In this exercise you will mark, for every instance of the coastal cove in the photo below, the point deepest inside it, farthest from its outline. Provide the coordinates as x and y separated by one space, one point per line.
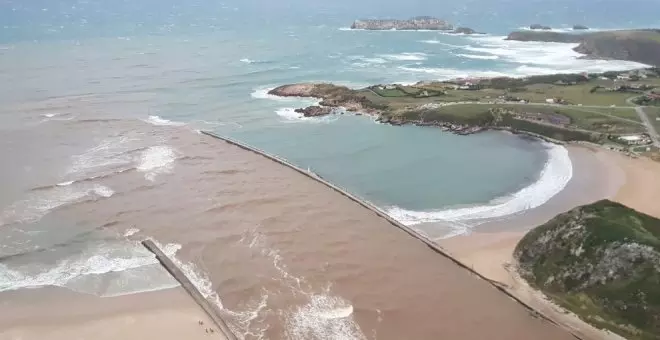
405 159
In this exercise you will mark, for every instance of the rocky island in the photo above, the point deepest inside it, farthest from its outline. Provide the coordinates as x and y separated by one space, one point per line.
539 27
641 46
465 30
416 23
601 261
580 27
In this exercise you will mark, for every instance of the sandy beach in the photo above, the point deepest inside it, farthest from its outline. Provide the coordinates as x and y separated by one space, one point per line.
55 313
598 174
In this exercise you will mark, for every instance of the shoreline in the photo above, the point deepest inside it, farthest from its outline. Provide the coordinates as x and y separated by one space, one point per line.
489 249
167 314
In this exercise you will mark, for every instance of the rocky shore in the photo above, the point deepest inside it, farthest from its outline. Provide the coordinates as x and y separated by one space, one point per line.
416 23
334 97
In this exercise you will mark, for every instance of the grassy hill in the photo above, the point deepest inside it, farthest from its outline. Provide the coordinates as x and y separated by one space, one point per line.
602 262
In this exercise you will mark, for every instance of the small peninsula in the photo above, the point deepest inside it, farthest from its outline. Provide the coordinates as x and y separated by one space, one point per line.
641 46
598 108
416 23
601 261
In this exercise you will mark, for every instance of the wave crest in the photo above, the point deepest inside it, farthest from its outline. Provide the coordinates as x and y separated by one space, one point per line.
554 177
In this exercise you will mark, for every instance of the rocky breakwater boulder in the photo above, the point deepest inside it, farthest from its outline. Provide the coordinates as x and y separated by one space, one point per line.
416 23
601 261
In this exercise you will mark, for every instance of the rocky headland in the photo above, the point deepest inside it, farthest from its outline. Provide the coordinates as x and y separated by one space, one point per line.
601 261
641 46
416 23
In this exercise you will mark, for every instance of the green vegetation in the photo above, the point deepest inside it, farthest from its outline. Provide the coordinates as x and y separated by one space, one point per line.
602 262
654 116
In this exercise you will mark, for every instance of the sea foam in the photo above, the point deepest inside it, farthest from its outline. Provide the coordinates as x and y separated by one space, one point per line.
159 121
82 271
554 177
406 56
156 160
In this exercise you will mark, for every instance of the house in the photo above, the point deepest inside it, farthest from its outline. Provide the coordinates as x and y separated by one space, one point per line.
550 100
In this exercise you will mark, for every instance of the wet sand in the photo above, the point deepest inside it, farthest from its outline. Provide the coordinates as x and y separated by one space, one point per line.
291 259
55 313
599 174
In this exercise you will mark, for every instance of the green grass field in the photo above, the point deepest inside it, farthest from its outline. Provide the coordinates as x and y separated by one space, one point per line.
611 120
576 94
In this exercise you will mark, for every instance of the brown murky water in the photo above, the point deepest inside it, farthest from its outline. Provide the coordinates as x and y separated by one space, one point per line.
288 258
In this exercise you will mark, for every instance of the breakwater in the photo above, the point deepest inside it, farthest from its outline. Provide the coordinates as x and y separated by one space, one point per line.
196 295
410 231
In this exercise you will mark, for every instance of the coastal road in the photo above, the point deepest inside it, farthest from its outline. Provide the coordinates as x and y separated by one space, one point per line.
649 126
647 122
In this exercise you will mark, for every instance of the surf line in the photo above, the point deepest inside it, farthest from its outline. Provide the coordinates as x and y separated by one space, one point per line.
410 231
185 282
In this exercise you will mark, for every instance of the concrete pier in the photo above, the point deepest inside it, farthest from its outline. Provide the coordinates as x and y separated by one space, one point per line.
210 309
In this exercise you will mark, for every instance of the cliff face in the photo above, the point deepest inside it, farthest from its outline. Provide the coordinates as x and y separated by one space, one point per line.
642 46
417 23
602 261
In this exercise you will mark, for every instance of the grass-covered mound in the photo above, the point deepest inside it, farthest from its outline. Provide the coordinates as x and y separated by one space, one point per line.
602 262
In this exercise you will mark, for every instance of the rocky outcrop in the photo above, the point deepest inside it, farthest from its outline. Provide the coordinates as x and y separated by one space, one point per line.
417 23
465 30
315 111
539 27
332 96
580 28
602 261
642 46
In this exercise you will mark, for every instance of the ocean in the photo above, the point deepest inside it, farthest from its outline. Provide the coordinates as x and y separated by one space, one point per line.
102 101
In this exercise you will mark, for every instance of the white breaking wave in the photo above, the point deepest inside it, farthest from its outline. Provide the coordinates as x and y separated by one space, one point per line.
290 115
551 57
103 191
131 231
83 272
159 121
262 93
478 56
323 315
156 160
362 61
433 41
554 177
448 73
408 56
247 61
38 204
